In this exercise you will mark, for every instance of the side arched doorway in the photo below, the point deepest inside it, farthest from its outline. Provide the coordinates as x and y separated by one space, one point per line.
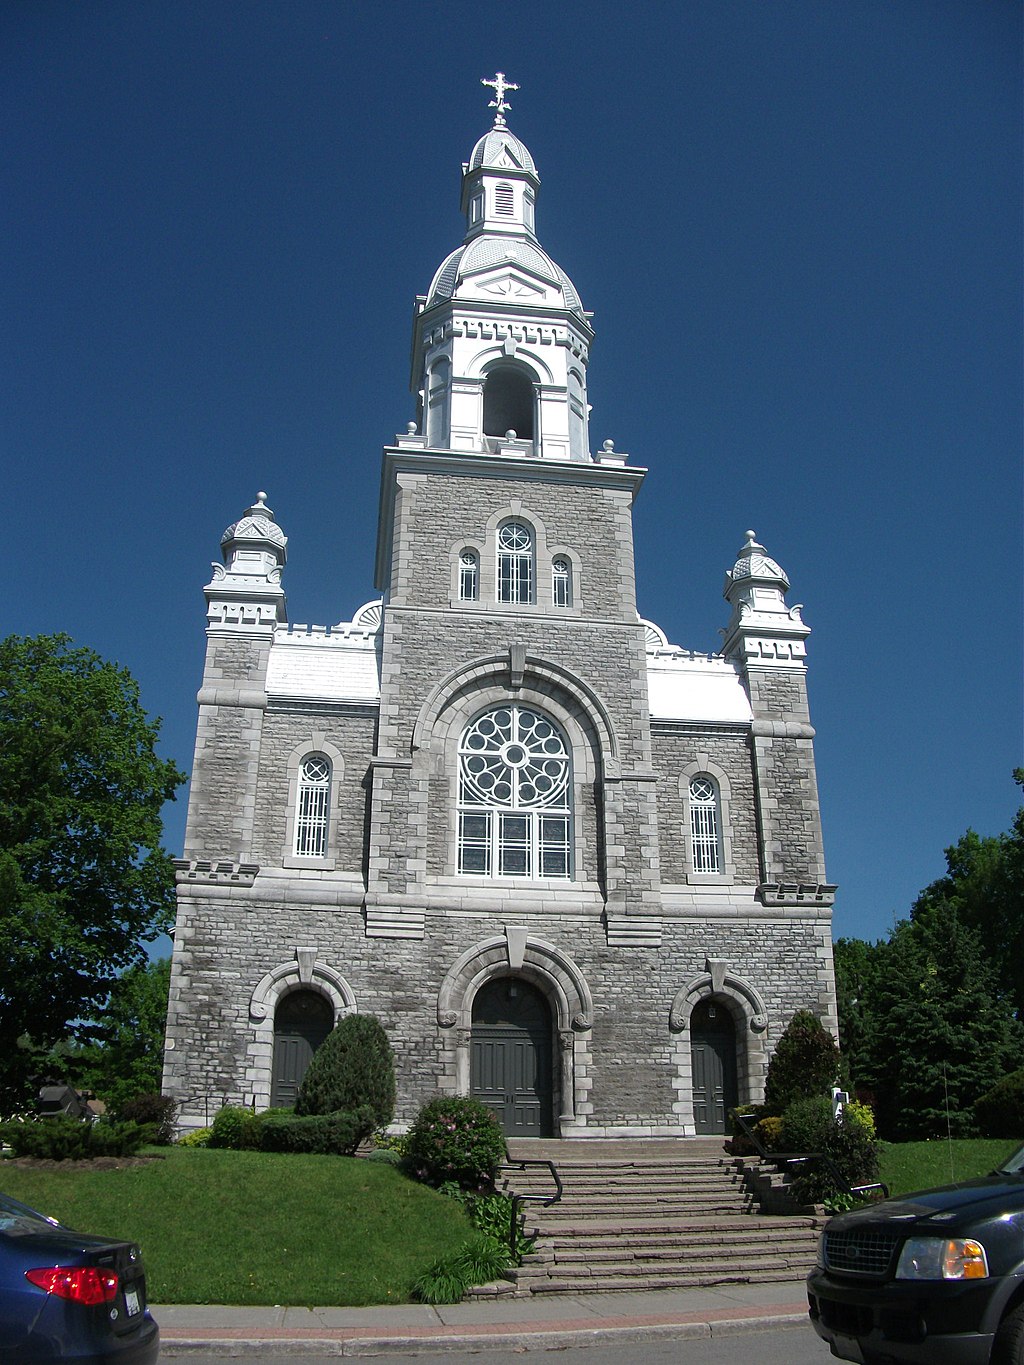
511 1067
713 1055
302 1021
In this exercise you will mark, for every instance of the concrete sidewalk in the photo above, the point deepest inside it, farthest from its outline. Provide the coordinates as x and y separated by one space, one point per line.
548 1323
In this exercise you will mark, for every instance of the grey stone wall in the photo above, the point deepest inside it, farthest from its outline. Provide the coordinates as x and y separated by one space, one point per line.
787 788
233 941
284 732
675 746
222 797
446 510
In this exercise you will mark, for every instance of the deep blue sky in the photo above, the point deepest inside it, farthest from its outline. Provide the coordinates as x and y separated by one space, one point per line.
798 226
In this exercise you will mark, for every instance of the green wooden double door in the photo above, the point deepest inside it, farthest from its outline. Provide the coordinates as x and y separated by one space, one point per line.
511 1063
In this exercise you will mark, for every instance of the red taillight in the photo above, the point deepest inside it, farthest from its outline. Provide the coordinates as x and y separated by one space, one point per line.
79 1283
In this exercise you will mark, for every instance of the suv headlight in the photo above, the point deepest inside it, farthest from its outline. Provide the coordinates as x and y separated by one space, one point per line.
819 1255
938 1258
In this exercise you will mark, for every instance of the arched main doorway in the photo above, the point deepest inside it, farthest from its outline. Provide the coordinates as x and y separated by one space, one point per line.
511 1063
302 1021
713 1054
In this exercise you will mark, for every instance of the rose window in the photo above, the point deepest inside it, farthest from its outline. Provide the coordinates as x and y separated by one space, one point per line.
514 808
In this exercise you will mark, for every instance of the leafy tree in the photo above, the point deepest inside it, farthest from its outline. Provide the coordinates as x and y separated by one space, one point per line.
945 1034
127 1058
933 1011
984 883
858 965
353 1067
805 1063
84 882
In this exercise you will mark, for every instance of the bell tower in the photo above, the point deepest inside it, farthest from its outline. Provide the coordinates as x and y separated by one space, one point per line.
505 563
501 339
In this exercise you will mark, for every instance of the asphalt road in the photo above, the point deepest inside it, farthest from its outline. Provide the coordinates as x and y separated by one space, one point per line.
788 1346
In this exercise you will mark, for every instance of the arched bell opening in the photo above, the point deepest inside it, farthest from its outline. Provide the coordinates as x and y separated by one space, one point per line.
302 1020
713 1060
509 403
512 1061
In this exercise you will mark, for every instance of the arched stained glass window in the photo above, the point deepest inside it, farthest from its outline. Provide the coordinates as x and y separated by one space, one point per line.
705 824
515 563
312 815
515 803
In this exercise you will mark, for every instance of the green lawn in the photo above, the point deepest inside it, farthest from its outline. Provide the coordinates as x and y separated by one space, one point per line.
260 1228
908 1166
254 1227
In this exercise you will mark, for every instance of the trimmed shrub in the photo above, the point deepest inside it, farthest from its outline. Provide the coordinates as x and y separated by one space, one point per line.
66 1139
236 1128
805 1063
154 1111
337 1134
353 1067
1000 1111
769 1133
455 1139
808 1127
384 1156
198 1137
391 1142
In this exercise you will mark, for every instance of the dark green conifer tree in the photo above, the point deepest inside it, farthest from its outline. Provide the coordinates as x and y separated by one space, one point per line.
354 1066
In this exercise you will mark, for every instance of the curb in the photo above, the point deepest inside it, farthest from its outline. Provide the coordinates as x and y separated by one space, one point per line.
503 1336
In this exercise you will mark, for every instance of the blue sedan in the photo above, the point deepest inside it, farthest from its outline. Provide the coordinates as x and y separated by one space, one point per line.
68 1296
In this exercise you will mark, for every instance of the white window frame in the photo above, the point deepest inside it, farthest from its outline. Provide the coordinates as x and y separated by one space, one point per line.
313 807
520 832
516 562
707 836
469 575
561 581
705 825
316 744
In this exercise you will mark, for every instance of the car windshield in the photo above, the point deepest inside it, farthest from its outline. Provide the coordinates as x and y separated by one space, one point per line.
1013 1165
17 1217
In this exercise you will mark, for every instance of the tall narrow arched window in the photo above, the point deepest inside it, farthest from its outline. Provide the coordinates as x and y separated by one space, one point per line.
508 402
515 796
561 582
504 200
705 824
469 576
515 562
312 815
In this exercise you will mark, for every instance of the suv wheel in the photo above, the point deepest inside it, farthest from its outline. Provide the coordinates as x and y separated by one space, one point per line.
1008 1348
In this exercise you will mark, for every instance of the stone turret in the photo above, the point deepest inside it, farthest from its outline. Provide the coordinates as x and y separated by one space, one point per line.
245 592
761 628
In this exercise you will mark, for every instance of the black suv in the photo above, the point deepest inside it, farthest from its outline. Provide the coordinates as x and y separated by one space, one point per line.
935 1278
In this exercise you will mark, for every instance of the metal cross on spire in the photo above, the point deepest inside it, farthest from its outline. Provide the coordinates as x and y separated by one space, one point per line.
499 85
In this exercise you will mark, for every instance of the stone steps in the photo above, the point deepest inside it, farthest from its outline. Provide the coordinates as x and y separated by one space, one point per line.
674 1219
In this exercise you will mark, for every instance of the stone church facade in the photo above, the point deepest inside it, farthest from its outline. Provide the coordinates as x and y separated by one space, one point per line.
574 869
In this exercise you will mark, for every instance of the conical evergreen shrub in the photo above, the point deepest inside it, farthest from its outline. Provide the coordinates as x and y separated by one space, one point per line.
354 1066
805 1063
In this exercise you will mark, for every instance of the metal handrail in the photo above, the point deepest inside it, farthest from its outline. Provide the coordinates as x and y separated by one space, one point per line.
790 1159
518 1200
